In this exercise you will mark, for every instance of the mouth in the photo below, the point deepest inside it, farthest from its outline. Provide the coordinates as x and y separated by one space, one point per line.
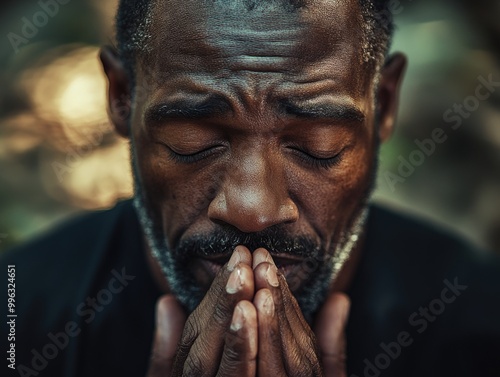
285 263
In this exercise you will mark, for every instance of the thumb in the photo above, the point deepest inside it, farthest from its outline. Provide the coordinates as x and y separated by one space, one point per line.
330 334
170 319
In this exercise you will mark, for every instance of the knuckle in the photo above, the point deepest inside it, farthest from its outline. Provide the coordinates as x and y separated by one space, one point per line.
234 342
303 364
314 364
182 351
233 358
193 366
311 358
307 371
190 329
293 363
312 348
230 367
188 338
232 354
221 314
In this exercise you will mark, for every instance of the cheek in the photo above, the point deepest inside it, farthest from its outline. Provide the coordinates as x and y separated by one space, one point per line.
329 199
177 193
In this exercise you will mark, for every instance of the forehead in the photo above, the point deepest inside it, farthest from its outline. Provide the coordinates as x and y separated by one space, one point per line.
225 41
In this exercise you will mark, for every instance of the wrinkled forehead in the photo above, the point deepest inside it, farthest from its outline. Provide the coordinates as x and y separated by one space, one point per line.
229 35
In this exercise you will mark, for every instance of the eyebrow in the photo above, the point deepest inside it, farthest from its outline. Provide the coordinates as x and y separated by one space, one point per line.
325 110
190 108
213 105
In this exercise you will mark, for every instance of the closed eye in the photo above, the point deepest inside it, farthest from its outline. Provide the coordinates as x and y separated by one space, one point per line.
316 161
190 158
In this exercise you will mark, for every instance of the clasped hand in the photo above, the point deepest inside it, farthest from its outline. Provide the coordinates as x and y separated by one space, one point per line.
249 324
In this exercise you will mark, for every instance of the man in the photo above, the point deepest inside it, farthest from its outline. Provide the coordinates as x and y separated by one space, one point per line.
254 129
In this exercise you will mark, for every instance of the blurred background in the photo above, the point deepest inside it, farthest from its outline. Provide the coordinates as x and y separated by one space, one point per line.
59 155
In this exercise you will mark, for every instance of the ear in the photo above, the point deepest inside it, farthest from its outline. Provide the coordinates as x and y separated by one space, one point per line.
388 94
119 94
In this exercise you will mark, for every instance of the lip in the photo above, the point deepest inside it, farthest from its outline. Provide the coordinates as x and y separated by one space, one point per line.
286 264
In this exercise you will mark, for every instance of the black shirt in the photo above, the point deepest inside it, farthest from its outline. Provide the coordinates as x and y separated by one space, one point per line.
423 302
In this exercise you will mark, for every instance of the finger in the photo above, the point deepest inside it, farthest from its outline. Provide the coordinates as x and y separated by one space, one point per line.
288 344
170 319
261 261
266 278
298 340
241 343
261 255
271 362
330 333
206 352
218 296
203 338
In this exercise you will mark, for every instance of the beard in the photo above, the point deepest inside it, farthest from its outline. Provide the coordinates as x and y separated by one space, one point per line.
320 264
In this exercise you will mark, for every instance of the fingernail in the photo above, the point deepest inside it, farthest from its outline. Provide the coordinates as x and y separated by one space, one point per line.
234 282
271 276
260 255
269 306
238 319
235 259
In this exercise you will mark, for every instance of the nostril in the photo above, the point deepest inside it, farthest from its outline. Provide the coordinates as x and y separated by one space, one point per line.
220 222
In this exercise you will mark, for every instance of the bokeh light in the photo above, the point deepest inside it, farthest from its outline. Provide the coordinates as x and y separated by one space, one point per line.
60 155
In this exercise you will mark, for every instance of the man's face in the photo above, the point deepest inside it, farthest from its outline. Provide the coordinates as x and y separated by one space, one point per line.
253 127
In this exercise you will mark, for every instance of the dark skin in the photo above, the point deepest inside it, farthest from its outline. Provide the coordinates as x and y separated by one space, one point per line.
290 140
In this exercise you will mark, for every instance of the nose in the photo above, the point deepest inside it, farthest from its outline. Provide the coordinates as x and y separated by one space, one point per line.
253 196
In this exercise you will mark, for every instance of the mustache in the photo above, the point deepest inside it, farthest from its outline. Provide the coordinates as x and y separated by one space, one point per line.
223 242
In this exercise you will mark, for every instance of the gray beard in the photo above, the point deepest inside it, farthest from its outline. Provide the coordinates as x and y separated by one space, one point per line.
320 269
320 266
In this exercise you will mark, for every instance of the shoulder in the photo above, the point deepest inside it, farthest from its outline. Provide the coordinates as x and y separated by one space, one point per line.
393 227
442 290
55 271
74 239
422 256
418 244
68 293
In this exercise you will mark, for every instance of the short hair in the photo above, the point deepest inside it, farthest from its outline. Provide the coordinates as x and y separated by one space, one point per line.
133 19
